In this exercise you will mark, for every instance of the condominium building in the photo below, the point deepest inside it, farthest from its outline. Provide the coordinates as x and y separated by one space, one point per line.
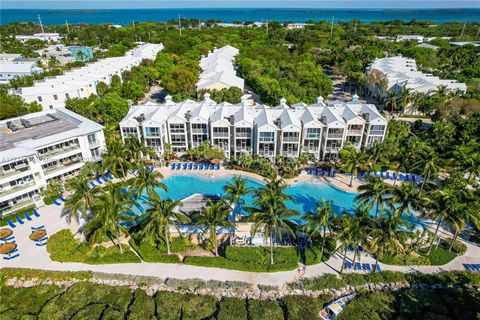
396 73
41 146
44 36
52 92
320 129
219 70
10 70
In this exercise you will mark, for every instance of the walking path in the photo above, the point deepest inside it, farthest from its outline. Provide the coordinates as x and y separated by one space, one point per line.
51 217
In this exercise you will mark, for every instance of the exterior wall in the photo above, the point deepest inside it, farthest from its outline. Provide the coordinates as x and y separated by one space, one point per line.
216 86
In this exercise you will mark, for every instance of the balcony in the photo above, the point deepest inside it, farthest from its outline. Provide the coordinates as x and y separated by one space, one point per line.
61 166
199 131
58 151
332 149
314 136
291 139
245 149
335 136
312 149
94 144
376 132
18 169
243 134
355 131
290 153
4 191
266 153
220 134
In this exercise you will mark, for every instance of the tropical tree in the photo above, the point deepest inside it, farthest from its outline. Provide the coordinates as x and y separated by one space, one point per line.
374 193
352 161
147 180
111 214
215 215
347 226
405 98
53 62
391 100
319 221
406 198
53 189
235 191
269 211
136 150
81 199
429 167
158 219
116 159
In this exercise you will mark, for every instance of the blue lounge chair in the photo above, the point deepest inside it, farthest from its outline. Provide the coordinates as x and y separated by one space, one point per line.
62 198
368 173
329 173
27 216
110 175
179 165
200 167
20 220
400 177
196 166
377 268
477 266
375 173
212 166
207 165
152 168
394 176
56 202
172 166
11 224
414 179
185 165
334 173
310 171
388 175
407 178
358 266
316 171
36 228
381 175
469 267
92 184
104 179
190 166
99 181
218 166
35 213
11 257
323 173
360 173
41 240
41 244
360 248
13 251
348 265
11 238
366 266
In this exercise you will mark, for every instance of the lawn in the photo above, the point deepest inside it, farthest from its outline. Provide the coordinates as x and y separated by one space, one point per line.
13 216
437 257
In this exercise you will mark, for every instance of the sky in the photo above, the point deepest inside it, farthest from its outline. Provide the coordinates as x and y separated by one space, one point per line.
122 4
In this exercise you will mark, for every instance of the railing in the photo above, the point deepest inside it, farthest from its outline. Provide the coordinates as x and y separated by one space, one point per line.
58 151
377 132
291 139
243 134
9 173
62 166
290 153
312 136
354 131
94 144
240 148
199 131
312 149
220 134
7 191
335 136
332 149
266 153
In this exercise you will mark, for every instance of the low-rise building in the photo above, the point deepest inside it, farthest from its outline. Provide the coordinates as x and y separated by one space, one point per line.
47 37
9 56
10 70
320 129
41 146
219 70
52 92
59 52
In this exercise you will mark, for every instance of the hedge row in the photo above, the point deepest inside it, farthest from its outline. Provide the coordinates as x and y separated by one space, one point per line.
149 253
63 247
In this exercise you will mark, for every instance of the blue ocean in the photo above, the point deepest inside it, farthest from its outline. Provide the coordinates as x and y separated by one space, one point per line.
126 16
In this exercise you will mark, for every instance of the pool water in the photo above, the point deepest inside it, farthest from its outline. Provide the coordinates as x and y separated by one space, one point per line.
306 194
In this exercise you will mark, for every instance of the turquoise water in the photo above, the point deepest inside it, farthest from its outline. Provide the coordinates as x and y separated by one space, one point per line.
306 194
126 16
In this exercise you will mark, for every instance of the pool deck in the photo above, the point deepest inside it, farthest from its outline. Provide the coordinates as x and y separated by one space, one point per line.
32 256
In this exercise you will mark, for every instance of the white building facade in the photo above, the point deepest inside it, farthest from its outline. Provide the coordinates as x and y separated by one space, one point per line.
52 92
11 70
47 37
320 129
41 146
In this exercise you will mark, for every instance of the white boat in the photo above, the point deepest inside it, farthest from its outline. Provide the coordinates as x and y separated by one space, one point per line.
333 309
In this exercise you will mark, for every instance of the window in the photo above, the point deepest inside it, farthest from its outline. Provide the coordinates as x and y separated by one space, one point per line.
177 128
95 152
55 97
67 96
92 138
377 129
51 107
266 137
152 132
81 89
40 99
126 131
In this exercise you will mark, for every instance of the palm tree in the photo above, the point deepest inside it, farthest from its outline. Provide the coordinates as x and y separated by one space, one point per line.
159 216
407 197
235 191
352 161
320 221
80 55
391 100
115 159
374 192
347 227
270 211
385 237
215 215
136 150
111 211
405 98
430 167
147 181
82 197
53 62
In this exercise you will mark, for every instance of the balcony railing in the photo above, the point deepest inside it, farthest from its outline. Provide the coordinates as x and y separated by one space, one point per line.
266 153
12 172
289 153
199 131
376 132
312 149
220 134
15 188
355 131
240 148
312 136
335 136
62 166
243 134
332 149
291 139
94 144
58 151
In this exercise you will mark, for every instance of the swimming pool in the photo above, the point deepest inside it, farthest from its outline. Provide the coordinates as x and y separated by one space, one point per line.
306 194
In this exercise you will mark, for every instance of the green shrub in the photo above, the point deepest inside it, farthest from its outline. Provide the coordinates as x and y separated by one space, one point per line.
458 246
328 281
142 307
402 259
374 305
149 253
169 305
21 273
198 307
304 308
13 215
93 311
16 302
264 310
232 309
63 247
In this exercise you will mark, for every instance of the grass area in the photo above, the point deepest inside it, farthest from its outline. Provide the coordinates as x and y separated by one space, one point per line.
438 255
63 247
313 254
253 259
149 253
13 216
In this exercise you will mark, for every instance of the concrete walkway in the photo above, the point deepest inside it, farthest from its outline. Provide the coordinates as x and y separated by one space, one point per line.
51 217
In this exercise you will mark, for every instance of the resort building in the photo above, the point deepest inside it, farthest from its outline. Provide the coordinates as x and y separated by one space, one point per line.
219 70
396 73
320 129
47 37
81 53
52 92
11 69
58 51
41 146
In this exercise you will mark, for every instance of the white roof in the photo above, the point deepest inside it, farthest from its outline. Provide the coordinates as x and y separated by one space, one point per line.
218 67
24 68
400 71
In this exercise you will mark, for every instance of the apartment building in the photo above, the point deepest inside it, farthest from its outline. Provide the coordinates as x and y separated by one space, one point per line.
52 92
41 146
11 70
44 36
320 129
